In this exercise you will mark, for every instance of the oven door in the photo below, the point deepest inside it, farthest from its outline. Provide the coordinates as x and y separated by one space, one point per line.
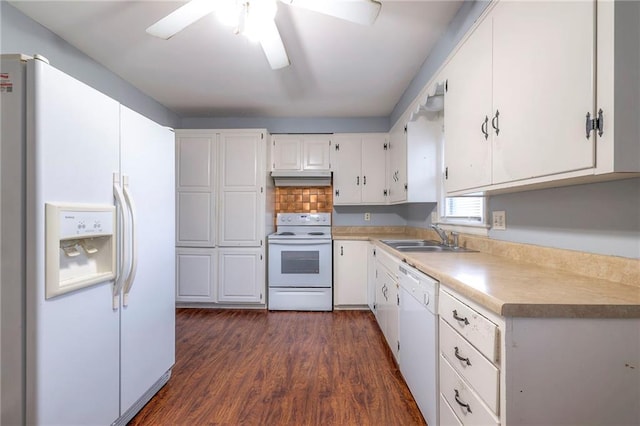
300 263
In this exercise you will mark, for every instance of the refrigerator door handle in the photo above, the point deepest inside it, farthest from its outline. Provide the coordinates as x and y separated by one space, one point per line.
128 282
122 252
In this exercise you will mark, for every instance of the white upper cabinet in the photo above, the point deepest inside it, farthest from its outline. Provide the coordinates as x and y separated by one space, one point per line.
301 152
467 148
196 189
242 180
413 173
286 152
543 87
539 95
397 170
359 168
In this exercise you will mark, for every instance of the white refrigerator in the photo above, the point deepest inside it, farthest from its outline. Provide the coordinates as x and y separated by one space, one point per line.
88 275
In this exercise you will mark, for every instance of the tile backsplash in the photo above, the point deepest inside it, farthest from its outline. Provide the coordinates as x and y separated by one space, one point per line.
292 199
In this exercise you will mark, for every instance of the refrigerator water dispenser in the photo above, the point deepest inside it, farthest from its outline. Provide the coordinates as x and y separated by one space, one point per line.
80 246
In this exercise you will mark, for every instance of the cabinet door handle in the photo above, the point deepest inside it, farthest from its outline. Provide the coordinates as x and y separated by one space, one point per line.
483 127
341 251
495 122
462 404
364 180
457 354
357 180
459 318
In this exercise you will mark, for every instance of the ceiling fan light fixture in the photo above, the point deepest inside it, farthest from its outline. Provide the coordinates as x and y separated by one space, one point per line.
228 12
258 19
255 19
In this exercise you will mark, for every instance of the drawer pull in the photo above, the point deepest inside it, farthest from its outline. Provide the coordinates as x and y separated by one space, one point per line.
462 404
458 318
457 353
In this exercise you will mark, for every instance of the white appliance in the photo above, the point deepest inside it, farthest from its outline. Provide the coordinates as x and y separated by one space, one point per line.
419 339
87 251
300 263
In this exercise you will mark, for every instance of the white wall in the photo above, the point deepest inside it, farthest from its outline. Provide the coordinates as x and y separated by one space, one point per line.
290 125
599 218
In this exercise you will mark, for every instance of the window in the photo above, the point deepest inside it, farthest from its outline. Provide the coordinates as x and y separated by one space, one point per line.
469 210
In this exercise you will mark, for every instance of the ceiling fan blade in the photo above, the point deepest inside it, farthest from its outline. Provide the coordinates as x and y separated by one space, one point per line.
362 12
181 18
273 46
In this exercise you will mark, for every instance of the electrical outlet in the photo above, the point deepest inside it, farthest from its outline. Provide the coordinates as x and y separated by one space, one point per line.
367 217
499 220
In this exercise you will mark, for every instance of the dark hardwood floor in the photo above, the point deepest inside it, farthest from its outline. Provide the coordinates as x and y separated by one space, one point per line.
246 367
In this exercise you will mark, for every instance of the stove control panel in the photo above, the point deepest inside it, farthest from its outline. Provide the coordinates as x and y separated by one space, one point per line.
304 219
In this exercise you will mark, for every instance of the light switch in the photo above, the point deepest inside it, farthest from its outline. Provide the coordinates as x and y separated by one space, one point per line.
499 220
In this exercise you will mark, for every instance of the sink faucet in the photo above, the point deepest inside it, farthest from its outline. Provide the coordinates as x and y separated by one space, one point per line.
442 233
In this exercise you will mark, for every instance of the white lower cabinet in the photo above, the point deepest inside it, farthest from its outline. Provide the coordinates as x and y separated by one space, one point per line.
469 361
481 373
465 402
350 272
387 299
371 277
447 417
241 275
542 371
196 274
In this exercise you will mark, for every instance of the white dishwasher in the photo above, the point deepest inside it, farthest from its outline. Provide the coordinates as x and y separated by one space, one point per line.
419 339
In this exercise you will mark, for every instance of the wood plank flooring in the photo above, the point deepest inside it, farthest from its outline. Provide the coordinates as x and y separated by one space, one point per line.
246 367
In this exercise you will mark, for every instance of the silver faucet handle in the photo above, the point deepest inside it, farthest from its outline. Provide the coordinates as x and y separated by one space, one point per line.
455 236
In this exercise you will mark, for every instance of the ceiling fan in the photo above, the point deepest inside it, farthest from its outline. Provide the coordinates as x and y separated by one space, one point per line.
255 19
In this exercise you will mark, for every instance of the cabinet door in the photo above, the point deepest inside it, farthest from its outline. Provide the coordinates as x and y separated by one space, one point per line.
196 275
543 87
350 272
374 157
241 189
241 275
195 184
371 277
346 175
315 152
424 139
467 151
393 319
397 174
380 281
286 152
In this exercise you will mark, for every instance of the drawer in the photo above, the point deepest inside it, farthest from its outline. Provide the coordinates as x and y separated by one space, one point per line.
465 403
477 370
447 416
477 329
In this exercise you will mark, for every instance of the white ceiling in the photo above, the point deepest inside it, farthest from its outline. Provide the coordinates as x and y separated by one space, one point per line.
338 68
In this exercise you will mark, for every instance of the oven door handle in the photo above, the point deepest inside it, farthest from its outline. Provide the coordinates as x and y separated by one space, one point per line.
299 242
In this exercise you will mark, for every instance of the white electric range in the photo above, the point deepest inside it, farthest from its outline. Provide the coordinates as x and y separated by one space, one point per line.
300 263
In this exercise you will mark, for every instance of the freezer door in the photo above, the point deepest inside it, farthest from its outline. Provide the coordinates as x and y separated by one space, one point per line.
148 314
72 341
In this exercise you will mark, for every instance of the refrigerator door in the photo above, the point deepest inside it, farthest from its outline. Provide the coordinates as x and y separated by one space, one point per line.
148 316
72 341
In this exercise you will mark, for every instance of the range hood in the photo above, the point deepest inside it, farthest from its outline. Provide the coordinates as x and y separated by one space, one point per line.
301 178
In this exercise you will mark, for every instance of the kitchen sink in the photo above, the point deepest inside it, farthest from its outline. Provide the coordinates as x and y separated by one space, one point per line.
424 246
410 243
